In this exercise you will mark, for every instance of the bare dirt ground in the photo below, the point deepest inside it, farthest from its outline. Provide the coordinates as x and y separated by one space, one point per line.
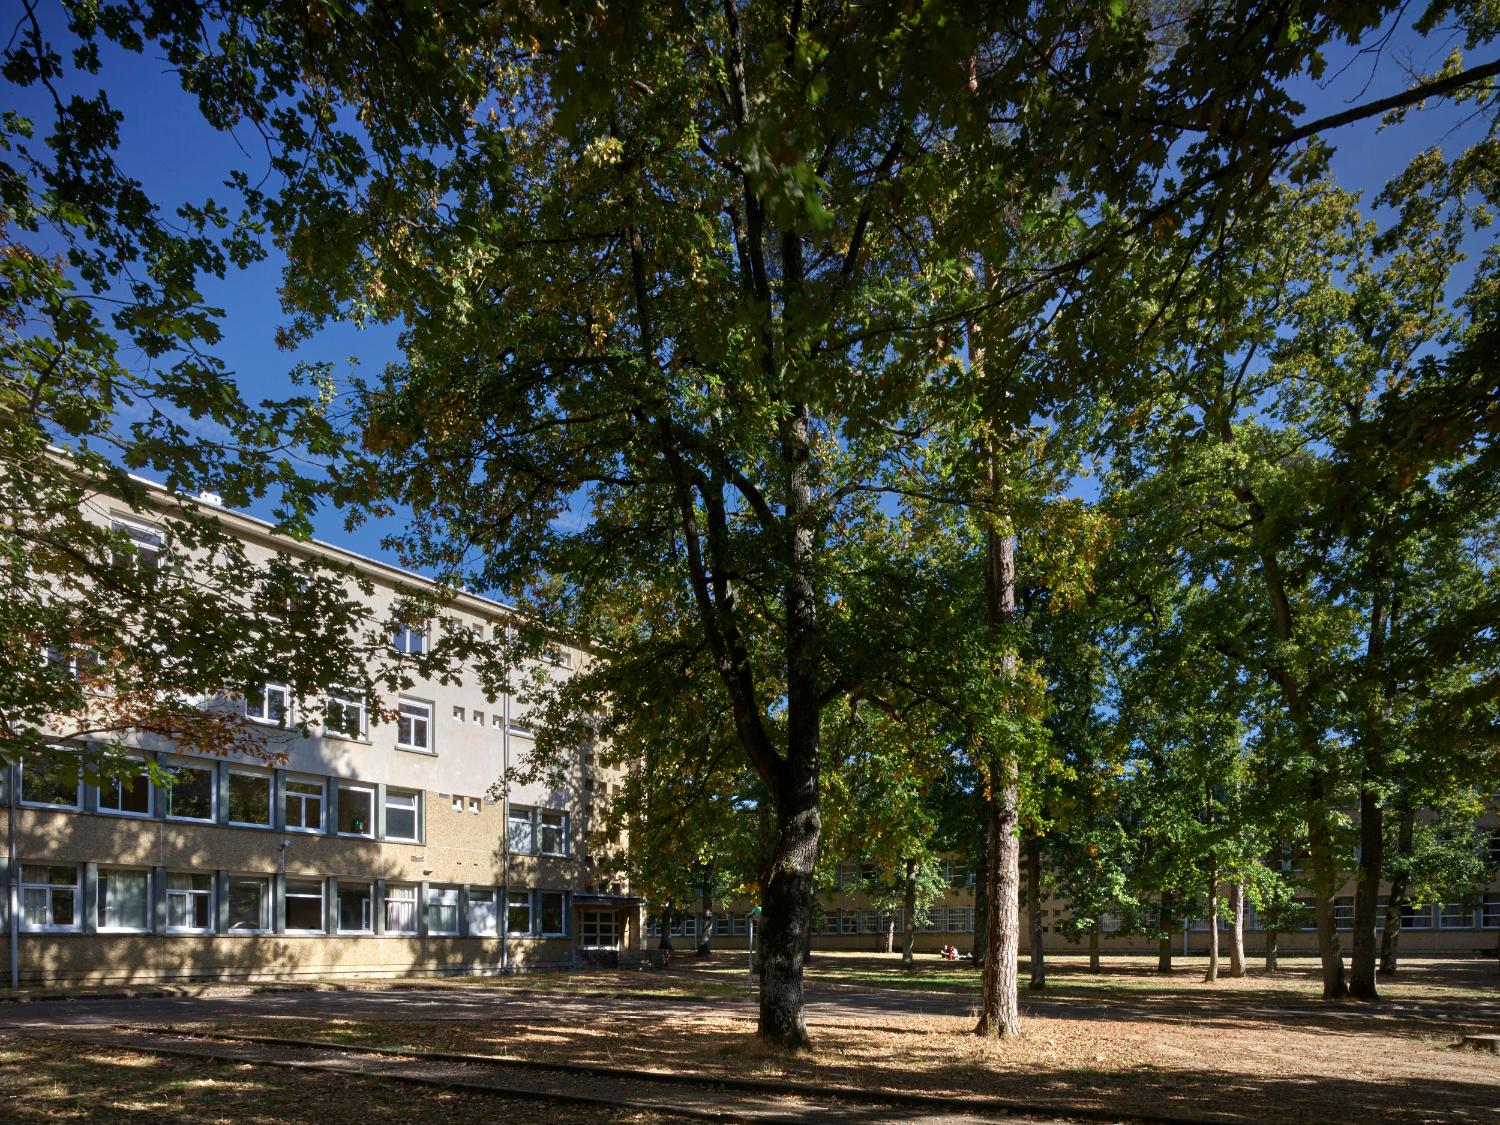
1129 1041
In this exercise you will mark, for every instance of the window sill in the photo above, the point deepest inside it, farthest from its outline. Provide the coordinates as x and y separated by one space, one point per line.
172 932
354 740
127 815
190 819
252 824
417 750
121 930
304 831
48 808
355 835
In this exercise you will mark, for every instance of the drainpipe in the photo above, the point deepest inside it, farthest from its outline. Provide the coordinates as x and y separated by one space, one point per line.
13 891
505 827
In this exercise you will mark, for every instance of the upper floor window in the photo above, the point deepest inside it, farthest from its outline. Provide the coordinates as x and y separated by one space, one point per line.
51 782
522 727
410 640
269 702
552 830
559 656
129 796
518 830
414 725
304 804
192 794
345 714
400 814
249 798
145 544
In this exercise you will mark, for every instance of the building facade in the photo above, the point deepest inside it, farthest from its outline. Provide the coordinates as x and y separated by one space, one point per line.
377 845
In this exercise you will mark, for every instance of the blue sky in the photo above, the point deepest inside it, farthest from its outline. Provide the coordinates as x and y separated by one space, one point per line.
179 158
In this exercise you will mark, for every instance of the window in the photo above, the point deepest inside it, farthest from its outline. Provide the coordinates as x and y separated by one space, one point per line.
401 910
400 815
474 804
304 804
1456 916
124 900
51 782
1415 917
957 874
554 832
458 714
145 545
414 725
1489 916
442 910
409 640
497 721
1493 847
356 907
128 797
518 912
268 702
250 798
344 714
49 897
479 718
249 904
304 906
521 727
356 810
518 830
482 918
191 796
1343 913
190 903
561 657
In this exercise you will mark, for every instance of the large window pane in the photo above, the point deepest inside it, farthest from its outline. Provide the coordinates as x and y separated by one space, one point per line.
356 810
442 910
249 798
400 815
51 781
482 919
355 916
554 832
249 903
124 900
401 910
304 905
131 795
550 907
192 794
518 830
518 912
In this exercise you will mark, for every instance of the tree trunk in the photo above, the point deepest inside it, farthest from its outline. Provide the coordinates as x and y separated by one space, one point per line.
1272 951
1094 949
1237 929
666 930
1362 961
910 906
890 933
1325 883
1164 945
706 927
1212 973
786 917
1000 1007
1390 939
981 903
1034 912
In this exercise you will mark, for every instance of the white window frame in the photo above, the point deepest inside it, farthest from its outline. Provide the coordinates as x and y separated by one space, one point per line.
406 725
270 780
346 701
1423 912
286 896
520 899
513 817
592 925
1489 911
1444 924
213 792
150 542
482 922
267 907
267 688
442 897
562 914
409 640
522 729
415 797
302 799
396 894
355 787
50 888
338 907
119 791
1343 913
192 895
540 831
104 877
77 791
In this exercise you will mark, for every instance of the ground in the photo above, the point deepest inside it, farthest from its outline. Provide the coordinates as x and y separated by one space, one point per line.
1128 1041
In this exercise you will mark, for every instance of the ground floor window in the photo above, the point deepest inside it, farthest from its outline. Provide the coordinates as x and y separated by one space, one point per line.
442 910
304 906
482 919
249 904
49 897
1490 912
401 910
1414 917
599 929
1456 916
1343 913
356 909
190 902
518 912
124 900
551 915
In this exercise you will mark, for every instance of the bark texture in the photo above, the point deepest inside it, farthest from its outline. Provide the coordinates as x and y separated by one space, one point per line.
1272 951
1325 881
1212 973
1390 937
1094 950
908 952
1236 929
1365 953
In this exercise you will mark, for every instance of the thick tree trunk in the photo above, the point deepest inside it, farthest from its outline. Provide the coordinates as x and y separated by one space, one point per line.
1164 944
1272 951
1094 949
785 919
1237 929
890 934
706 927
1034 912
1362 962
1212 973
909 904
1325 883
1390 938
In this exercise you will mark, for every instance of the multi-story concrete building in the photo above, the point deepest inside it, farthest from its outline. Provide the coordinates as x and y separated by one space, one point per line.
375 847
